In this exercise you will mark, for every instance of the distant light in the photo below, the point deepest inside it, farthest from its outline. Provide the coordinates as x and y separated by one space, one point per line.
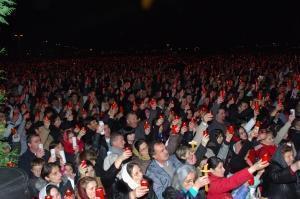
91 49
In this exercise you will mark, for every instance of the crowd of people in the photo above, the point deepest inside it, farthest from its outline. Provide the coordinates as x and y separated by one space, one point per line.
155 126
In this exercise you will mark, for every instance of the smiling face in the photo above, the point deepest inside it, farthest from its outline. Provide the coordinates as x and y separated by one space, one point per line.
189 181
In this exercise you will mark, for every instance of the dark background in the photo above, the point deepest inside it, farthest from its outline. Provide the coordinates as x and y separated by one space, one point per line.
117 24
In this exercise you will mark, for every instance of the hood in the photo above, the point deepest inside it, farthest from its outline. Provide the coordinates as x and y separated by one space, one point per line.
278 157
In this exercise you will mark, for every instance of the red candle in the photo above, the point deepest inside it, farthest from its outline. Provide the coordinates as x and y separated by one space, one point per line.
114 105
144 183
174 127
251 181
184 124
256 105
99 193
222 93
230 129
128 148
161 116
259 96
68 193
48 197
265 157
83 164
146 125
205 133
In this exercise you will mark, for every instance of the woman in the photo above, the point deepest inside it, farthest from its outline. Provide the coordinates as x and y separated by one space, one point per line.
238 151
87 169
186 155
280 179
131 185
52 174
71 150
221 186
187 184
86 188
52 190
141 154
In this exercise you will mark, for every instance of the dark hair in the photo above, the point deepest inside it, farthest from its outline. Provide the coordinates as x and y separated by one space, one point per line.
151 147
47 169
286 148
53 144
88 120
30 136
49 187
138 143
213 162
114 136
130 166
37 161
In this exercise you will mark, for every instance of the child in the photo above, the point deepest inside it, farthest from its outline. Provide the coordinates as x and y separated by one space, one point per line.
36 183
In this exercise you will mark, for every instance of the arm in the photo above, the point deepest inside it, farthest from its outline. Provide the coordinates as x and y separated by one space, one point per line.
249 125
173 143
222 154
283 176
282 132
224 185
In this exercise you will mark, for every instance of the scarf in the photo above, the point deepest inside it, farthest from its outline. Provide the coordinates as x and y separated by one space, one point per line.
137 154
127 178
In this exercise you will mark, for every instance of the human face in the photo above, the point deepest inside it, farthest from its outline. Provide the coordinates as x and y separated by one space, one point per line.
136 174
55 194
132 120
289 157
189 181
34 144
93 125
130 138
57 122
220 139
119 142
70 136
68 171
269 139
55 176
243 134
242 107
106 131
90 171
221 115
190 157
36 170
219 170
91 189
160 153
143 150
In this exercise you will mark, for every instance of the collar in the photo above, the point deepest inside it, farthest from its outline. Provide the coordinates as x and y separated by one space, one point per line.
161 165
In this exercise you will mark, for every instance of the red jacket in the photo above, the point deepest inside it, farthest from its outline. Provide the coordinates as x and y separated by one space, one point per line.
219 188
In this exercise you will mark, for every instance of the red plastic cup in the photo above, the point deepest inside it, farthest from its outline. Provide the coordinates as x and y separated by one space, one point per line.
68 193
146 125
184 124
48 197
144 183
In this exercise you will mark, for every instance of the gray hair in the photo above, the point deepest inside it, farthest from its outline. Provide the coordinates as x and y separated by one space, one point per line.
180 175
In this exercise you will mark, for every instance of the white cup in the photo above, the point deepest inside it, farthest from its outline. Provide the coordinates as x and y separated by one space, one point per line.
74 142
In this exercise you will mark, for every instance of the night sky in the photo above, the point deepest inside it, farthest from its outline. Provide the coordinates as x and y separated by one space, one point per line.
115 23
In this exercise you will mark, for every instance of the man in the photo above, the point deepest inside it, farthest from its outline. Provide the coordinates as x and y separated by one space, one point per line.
33 151
162 167
117 149
133 122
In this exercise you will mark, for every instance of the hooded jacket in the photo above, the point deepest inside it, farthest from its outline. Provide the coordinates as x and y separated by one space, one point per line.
279 181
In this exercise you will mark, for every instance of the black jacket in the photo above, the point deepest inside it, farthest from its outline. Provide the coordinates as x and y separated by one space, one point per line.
279 182
120 190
